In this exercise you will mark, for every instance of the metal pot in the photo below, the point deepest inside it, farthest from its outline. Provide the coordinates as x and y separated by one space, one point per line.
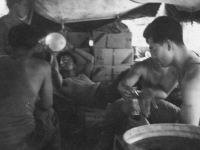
166 136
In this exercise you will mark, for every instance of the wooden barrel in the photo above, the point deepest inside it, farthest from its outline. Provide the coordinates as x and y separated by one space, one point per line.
166 136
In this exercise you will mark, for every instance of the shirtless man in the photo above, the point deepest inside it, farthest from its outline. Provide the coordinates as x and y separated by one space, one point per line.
165 38
77 85
156 83
158 78
26 115
68 80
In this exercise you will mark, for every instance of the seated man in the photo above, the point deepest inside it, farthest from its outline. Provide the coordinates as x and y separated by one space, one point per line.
77 85
165 38
156 83
26 115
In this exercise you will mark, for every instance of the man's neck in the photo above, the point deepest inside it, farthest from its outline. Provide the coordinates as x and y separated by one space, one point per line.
183 55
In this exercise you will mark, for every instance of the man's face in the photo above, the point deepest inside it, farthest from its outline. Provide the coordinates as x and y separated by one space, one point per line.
66 63
160 53
20 9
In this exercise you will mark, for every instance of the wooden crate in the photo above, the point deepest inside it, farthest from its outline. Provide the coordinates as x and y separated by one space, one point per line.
99 39
122 56
119 40
103 56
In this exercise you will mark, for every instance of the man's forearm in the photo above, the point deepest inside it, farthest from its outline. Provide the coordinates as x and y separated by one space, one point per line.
83 54
158 92
57 79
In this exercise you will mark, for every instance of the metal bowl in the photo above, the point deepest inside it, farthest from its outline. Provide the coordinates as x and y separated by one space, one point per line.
55 41
166 136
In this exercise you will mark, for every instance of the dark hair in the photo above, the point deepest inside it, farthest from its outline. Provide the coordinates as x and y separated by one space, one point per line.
66 53
164 28
22 35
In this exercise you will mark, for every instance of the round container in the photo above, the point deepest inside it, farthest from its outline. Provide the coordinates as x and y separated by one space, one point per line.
55 41
166 136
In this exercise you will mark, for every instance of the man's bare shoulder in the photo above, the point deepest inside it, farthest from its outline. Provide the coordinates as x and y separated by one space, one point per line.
140 68
192 68
142 65
192 71
37 64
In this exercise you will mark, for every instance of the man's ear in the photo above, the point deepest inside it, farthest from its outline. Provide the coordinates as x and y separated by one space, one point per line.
169 44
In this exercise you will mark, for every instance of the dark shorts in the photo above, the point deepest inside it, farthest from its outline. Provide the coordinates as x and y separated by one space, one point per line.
46 135
106 93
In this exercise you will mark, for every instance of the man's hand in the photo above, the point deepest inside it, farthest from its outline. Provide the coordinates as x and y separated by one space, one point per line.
53 60
53 55
129 92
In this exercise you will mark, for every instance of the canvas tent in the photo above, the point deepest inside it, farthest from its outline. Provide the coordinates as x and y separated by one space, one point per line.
84 10
89 14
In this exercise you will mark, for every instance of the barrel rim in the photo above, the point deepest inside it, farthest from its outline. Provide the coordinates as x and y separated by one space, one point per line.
163 129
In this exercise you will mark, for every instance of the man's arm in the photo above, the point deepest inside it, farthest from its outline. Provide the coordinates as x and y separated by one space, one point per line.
161 91
148 95
56 76
46 90
130 80
190 89
89 61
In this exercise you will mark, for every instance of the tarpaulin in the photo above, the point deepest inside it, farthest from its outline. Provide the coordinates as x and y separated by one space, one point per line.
65 11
